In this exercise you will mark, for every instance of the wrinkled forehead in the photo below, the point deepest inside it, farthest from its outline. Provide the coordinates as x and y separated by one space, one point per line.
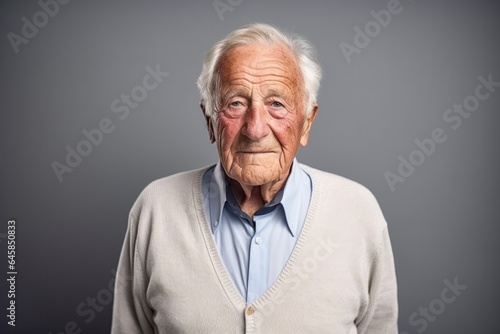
260 61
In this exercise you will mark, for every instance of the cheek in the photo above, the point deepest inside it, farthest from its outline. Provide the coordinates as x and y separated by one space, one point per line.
227 132
287 131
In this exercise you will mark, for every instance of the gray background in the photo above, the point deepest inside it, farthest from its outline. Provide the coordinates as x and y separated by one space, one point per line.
442 220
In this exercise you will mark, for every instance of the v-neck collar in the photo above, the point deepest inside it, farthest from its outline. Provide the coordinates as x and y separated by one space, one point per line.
220 270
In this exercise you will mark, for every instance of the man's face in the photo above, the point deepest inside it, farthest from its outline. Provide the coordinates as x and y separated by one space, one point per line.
261 122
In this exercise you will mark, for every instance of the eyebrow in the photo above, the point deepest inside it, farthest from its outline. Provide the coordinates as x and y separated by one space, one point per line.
232 93
243 92
274 92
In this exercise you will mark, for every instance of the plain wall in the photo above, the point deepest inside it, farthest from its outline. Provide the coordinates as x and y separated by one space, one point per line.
393 91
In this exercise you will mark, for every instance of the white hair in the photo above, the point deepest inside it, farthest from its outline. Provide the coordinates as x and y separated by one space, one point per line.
209 80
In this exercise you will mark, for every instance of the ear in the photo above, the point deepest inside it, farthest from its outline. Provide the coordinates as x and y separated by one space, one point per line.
306 129
209 123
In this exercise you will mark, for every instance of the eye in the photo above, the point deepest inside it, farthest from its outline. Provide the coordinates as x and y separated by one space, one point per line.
235 108
277 109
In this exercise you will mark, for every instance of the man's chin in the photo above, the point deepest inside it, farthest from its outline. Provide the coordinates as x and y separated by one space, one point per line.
255 175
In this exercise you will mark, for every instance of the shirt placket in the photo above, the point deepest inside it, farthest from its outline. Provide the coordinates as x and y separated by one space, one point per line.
258 262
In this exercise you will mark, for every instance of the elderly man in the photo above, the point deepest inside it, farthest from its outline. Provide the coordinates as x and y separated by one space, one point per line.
257 243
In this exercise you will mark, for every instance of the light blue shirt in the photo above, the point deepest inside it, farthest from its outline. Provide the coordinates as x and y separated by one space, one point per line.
255 251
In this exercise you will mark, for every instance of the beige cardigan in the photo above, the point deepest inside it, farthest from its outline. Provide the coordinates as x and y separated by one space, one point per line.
340 277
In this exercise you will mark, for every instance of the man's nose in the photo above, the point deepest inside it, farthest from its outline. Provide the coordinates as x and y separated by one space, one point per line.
256 123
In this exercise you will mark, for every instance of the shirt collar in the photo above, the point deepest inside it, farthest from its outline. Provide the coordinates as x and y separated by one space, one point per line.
289 196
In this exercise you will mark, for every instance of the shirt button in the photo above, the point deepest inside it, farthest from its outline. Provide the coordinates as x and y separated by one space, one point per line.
258 240
250 310
216 223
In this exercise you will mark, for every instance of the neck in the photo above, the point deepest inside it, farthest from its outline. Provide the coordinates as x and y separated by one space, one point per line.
252 198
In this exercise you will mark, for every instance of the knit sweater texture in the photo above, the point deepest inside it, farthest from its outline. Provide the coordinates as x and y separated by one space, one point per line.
340 277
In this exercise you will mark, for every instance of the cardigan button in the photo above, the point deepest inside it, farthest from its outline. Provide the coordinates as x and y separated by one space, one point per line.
250 310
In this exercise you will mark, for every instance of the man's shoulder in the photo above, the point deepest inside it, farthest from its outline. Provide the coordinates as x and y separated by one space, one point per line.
334 182
342 193
177 186
180 179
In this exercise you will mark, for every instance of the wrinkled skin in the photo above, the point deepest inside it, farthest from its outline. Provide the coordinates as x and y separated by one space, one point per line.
261 122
